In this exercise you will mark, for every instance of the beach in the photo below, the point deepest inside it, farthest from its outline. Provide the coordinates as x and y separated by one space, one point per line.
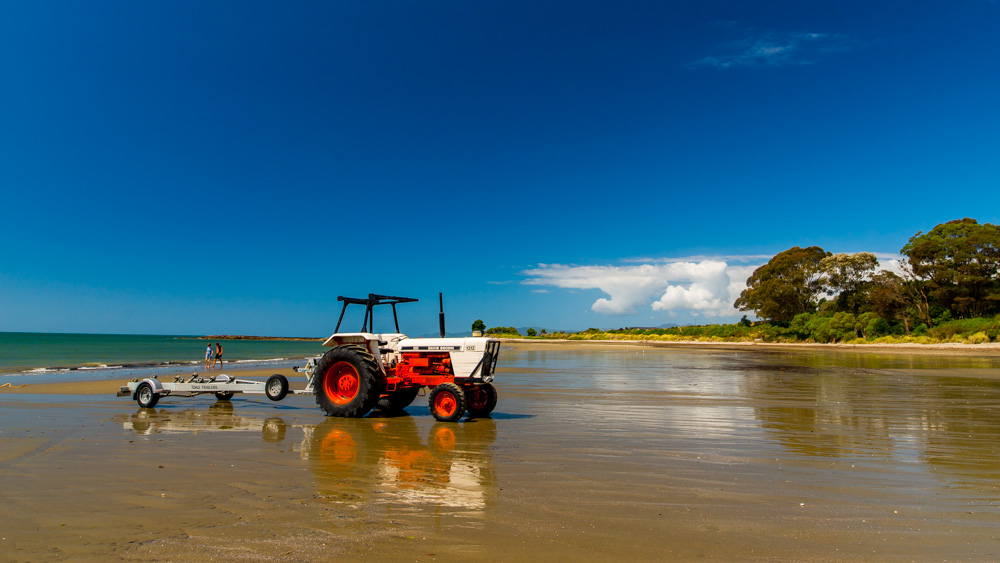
78 382
596 451
944 349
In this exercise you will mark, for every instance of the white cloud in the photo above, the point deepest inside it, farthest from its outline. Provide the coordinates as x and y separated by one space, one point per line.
774 48
893 265
707 287
699 286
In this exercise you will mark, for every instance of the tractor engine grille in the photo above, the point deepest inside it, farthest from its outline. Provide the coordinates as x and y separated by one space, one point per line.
428 364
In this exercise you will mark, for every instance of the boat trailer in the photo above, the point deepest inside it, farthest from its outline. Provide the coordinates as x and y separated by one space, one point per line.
147 392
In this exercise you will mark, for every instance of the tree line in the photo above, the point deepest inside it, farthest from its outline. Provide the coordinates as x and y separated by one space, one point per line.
946 288
479 326
949 273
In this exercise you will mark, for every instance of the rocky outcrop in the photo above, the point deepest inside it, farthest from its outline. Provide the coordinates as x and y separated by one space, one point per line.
246 337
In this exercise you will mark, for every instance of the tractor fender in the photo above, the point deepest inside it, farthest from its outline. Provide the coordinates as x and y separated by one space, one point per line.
153 382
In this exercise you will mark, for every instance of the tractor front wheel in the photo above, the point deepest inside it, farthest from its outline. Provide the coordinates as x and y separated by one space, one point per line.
348 381
481 399
447 402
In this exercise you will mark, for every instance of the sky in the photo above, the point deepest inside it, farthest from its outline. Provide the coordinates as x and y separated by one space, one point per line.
233 167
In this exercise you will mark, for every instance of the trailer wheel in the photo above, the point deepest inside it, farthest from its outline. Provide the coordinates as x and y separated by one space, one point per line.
481 399
224 395
398 400
145 396
276 387
348 381
447 402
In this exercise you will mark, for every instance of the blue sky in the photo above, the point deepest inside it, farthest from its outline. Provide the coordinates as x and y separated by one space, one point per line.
232 167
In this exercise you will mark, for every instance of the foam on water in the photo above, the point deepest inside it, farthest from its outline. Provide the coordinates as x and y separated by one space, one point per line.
50 353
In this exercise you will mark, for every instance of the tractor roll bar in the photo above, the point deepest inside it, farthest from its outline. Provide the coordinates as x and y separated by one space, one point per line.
368 325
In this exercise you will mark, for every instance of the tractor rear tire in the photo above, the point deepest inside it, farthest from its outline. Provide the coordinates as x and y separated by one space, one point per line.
481 399
146 396
348 381
398 400
447 402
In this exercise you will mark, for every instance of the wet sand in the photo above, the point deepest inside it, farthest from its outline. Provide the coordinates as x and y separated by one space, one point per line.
594 453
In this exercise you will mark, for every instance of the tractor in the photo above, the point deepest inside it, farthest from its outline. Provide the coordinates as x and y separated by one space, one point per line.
366 370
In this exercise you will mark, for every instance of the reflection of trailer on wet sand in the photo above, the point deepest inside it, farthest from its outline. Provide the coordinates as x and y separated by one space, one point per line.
148 391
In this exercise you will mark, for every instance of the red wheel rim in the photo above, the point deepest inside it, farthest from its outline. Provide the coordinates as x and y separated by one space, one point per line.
341 382
445 403
478 398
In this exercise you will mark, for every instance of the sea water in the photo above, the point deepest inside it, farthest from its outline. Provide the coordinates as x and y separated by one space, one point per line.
75 355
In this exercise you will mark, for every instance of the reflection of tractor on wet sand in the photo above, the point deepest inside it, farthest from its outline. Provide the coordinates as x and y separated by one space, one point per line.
364 370
383 461
386 461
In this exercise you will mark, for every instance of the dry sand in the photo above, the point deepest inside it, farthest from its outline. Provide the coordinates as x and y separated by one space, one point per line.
943 349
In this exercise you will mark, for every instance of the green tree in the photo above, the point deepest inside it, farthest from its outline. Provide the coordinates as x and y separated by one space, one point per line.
532 332
957 263
870 325
888 298
502 330
479 325
846 275
786 286
841 326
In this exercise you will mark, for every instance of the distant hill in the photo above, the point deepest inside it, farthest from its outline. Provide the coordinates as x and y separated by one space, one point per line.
446 334
248 337
524 330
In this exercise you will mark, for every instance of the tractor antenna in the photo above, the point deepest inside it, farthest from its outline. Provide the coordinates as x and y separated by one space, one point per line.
441 314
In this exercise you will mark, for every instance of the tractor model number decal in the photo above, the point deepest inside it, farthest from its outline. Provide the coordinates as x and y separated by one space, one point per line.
470 347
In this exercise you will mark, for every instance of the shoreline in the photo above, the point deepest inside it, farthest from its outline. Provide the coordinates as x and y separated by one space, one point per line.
991 349
109 385
258 338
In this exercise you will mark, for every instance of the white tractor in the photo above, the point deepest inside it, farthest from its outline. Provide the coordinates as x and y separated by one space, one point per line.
367 370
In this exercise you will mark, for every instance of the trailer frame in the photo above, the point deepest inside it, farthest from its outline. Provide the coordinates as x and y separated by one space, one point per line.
148 391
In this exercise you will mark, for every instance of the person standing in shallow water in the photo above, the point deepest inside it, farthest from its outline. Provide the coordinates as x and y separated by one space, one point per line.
208 356
218 355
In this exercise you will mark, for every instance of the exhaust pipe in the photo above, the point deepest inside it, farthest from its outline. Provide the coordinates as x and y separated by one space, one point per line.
441 314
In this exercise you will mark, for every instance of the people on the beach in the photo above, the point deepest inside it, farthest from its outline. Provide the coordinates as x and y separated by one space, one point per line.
208 356
218 355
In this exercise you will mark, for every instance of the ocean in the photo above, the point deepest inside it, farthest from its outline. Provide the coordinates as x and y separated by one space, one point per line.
33 353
